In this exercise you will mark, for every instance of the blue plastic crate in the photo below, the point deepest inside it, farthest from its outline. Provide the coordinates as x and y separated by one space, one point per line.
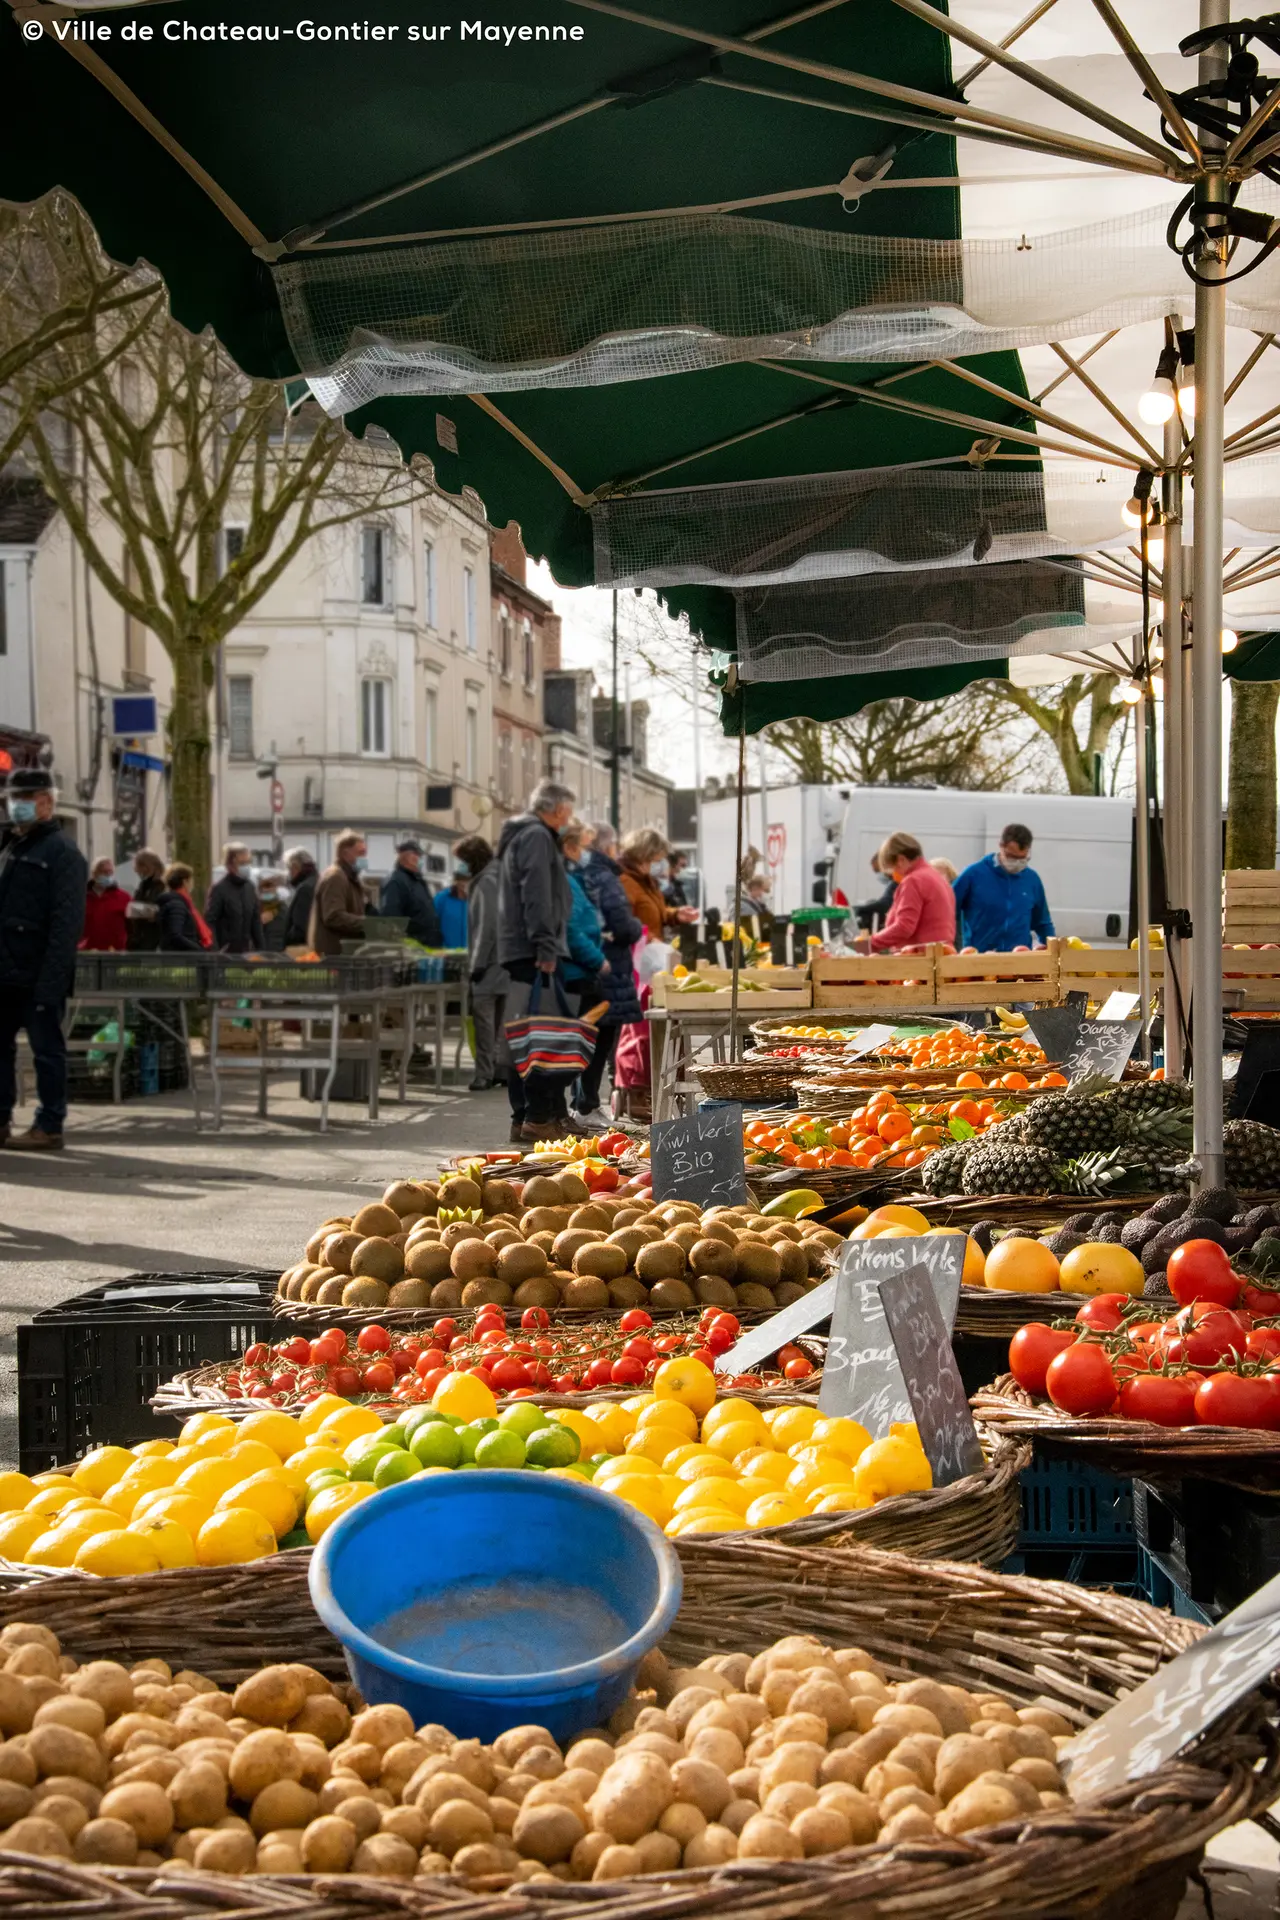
1065 1505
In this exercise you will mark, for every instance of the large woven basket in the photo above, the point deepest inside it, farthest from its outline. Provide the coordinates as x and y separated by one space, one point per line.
1122 1856
1244 1456
987 1314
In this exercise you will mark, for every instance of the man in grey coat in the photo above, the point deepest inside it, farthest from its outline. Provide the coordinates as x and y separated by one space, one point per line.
534 903
488 981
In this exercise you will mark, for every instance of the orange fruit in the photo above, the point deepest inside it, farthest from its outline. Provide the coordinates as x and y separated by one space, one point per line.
974 1269
1024 1266
1099 1266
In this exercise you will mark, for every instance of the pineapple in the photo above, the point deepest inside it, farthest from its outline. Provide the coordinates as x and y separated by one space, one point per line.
1252 1153
1009 1167
1069 1124
1157 1130
1142 1096
941 1172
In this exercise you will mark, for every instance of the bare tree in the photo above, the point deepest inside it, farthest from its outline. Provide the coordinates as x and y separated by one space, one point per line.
965 742
173 443
1076 716
1251 774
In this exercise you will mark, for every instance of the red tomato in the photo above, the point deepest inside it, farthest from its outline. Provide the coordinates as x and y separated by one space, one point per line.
458 1342
729 1321
1104 1312
329 1348
345 1380
600 1373
1080 1380
283 1382
564 1383
705 1355
489 1317
261 1392
1032 1348
1211 1337
634 1319
401 1363
431 1381
373 1339
718 1339
626 1371
639 1349
669 1343
1169 1400
297 1351
510 1374
443 1332
380 1377
1239 1400
1261 1301
428 1362
493 1337
257 1354
1200 1270
482 1374
1263 1344
799 1368
535 1317
540 1374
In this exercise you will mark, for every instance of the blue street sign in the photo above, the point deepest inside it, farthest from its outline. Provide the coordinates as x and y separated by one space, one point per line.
133 714
146 761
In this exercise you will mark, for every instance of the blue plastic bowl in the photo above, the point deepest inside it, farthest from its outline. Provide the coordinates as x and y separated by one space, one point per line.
486 1600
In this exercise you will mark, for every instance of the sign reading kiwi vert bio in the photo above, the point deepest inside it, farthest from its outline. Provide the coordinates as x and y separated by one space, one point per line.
1181 1701
922 1341
699 1158
861 1376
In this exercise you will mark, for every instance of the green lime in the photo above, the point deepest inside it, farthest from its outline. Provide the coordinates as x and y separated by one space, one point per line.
469 1466
327 1477
523 1418
365 1467
436 1445
298 1538
501 1448
418 1417
362 1444
594 1464
552 1447
395 1467
473 1433
395 1435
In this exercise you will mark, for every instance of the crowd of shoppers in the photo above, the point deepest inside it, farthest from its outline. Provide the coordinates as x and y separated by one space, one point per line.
996 905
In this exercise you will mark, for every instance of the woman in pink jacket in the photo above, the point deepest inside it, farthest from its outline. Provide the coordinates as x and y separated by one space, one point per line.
924 907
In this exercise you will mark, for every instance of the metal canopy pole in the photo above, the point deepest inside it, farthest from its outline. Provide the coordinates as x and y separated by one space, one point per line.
1206 834
1177 754
1142 875
614 813
736 957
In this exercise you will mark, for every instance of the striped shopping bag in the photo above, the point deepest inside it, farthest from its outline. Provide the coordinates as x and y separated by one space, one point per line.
550 1043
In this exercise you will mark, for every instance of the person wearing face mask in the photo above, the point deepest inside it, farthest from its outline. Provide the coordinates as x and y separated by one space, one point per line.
143 911
406 895
1001 899
924 908
643 871
339 906
231 911
42 901
106 909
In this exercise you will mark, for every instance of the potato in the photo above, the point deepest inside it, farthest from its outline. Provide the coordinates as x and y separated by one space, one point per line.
362 1813
285 1803
919 1751
105 1681
482 1860
712 1847
737 1814
69 1812
104 1843
68 1710
617 1863
827 1698
858 1809
399 1764
323 1715
946 1710
799 1726
59 1749
632 1797
658 1720
719 1747
1027 1742
703 1784
316 1764
548 1833
382 1727
119 1734
822 1830
682 1820
794 1760
1026 1795
958 1762
470 1759
908 1797
593 1754
886 1776
199 1795
764 1838
791 1798
685 1703
659 1743
35 1835
387 1856
360 1757
273 1695
778 1687
907 1719
909 1823
279 1855
459 1823
1045 1718
197 1723
22 1633
745 1782
861 1685
659 1853
854 1762
583 1859
1042 1774
509 1746
568 1791
977 1806
409 1823
143 1806
261 1759
33 1661
441 1787
16 1764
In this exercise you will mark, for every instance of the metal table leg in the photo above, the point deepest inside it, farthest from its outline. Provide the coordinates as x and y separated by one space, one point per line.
375 1053
439 999
335 1029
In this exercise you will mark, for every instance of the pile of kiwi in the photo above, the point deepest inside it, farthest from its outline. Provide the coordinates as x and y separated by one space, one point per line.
551 1243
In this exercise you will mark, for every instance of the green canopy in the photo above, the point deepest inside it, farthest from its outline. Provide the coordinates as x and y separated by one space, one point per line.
1256 658
753 706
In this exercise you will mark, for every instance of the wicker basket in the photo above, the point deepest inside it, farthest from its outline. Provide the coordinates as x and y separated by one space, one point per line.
1125 1854
1243 1456
986 1314
747 1080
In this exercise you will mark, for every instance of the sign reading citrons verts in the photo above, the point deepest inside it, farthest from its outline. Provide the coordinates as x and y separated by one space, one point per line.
861 1376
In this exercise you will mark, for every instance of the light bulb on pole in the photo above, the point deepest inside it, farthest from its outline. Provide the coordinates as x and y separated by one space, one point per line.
1230 640
1158 402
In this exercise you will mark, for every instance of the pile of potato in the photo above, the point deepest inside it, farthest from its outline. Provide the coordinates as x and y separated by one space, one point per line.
797 1752
551 1243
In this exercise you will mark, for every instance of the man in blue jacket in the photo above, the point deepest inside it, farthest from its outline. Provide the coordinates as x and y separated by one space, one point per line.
1000 900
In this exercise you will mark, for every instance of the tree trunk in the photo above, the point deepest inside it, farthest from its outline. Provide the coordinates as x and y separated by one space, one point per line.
190 755
1251 784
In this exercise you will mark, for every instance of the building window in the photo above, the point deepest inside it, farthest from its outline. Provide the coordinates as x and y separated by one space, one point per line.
431 728
506 768
373 566
375 717
240 716
504 644
471 746
469 607
530 663
429 582
232 545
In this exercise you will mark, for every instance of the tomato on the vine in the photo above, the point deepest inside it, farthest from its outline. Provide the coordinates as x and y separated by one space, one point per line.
428 1362
535 1317
798 1369
296 1351
600 1373
509 1374
1239 1400
443 1332
1262 1302
1079 1379
344 1380
1104 1312
1201 1270
255 1355
640 1349
1263 1344
380 1377
1167 1399
634 1320
627 1371
1032 1348
433 1380
373 1339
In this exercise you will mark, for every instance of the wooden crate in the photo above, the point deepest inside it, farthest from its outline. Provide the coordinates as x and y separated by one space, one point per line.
1101 971
996 979
874 980
720 999
1255 973
1250 906
763 987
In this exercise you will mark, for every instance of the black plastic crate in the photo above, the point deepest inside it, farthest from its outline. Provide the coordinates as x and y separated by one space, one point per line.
87 1368
1065 1505
343 973
1217 1543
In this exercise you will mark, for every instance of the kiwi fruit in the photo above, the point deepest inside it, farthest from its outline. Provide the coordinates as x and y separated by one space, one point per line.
541 1191
591 1216
338 1249
563 1277
543 1241
826 1237
671 1296
317 1277
375 1220
427 1260
717 1230
329 1293
753 1298
406 1196
756 1264
568 1242
505 1237
628 1216
459 1190
585 1291
447 1293
630 1239
398 1240
473 1260
426 1232
408 1221
788 1290
712 1257
712 1291
628 1292
459 1230
312 1249
365 1291
500 1196
572 1188
793 1261
488 1291
540 1219
376 1259
782 1230
410 1293
540 1290
495 1220
520 1262
817 1256
600 1260
661 1260
686 1235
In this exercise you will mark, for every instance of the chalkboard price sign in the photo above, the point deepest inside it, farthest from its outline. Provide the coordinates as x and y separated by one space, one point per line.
1055 1029
700 1158
1101 1046
861 1376
922 1340
1181 1701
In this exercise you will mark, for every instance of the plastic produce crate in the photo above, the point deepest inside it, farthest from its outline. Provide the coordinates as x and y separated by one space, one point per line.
1214 1542
354 973
88 1367
1066 1505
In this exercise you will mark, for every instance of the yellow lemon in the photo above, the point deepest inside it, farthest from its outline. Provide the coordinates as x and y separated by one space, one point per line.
144 1476
791 1426
687 1382
317 1411
626 1463
905 1430
670 1413
843 1491
113 1554
646 1491
705 1522
883 1218
651 1443
613 1427
348 1423
17 1531
288 1476
15 1491
172 1545
892 1466
253 1456
732 1439
732 1412
714 1492
691 1450
763 1463
234 1536
704 1466
774 1510
314 1458
846 1437
460 1394
820 1470
577 1422
637 1402
267 1495
51 1500
207 1446
61 1545
85 1503
278 1431
152 1449
100 1469
184 1509
839 1500
334 1502
201 1423
209 1479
